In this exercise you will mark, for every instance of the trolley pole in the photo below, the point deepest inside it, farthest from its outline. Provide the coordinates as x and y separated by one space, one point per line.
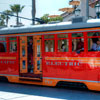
87 9
33 12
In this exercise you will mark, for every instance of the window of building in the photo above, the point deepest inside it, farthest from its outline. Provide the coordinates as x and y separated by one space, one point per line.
49 43
13 44
77 42
3 44
93 41
63 42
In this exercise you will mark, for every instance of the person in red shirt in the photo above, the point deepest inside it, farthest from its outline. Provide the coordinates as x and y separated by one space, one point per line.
80 46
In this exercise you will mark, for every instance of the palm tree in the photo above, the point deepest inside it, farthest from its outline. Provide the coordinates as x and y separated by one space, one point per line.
16 8
7 13
2 20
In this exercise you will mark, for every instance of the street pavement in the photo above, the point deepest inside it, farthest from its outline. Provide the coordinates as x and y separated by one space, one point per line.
10 91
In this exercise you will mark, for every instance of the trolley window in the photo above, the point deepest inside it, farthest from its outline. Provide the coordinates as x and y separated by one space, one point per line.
3 44
77 34
63 42
77 42
93 41
49 43
48 36
13 44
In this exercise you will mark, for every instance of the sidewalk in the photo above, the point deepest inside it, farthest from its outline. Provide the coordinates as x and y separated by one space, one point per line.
16 96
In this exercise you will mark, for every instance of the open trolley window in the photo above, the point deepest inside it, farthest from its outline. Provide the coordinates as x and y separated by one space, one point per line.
93 41
3 44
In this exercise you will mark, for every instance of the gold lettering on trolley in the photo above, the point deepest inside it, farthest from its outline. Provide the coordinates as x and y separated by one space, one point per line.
7 62
50 63
10 58
75 61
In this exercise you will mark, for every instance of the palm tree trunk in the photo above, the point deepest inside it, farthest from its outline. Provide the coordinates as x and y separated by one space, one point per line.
7 21
17 20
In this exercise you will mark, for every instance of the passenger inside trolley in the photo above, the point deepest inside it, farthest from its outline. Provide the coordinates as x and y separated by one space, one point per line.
93 41
63 48
3 44
63 43
2 48
98 45
77 42
30 54
80 45
13 47
13 44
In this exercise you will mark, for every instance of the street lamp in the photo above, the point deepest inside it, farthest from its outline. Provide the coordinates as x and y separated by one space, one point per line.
97 9
77 12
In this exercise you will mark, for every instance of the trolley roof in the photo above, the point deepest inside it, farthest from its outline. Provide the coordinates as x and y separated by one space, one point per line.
50 27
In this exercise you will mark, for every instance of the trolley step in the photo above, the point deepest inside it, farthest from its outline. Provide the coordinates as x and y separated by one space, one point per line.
30 79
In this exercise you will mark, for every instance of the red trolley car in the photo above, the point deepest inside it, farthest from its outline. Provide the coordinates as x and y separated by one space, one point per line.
51 54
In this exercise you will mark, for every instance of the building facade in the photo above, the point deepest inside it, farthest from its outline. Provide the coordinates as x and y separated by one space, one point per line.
83 10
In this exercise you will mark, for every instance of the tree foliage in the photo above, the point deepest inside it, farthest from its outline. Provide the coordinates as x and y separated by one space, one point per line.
47 19
7 17
2 20
16 8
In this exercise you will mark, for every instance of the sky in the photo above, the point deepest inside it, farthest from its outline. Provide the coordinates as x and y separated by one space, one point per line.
50 7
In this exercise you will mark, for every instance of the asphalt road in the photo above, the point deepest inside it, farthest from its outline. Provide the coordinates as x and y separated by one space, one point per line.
9 91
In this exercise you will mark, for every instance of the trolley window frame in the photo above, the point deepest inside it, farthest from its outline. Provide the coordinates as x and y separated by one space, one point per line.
57 38
13 41
6 40
90 37
49 39
82 37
